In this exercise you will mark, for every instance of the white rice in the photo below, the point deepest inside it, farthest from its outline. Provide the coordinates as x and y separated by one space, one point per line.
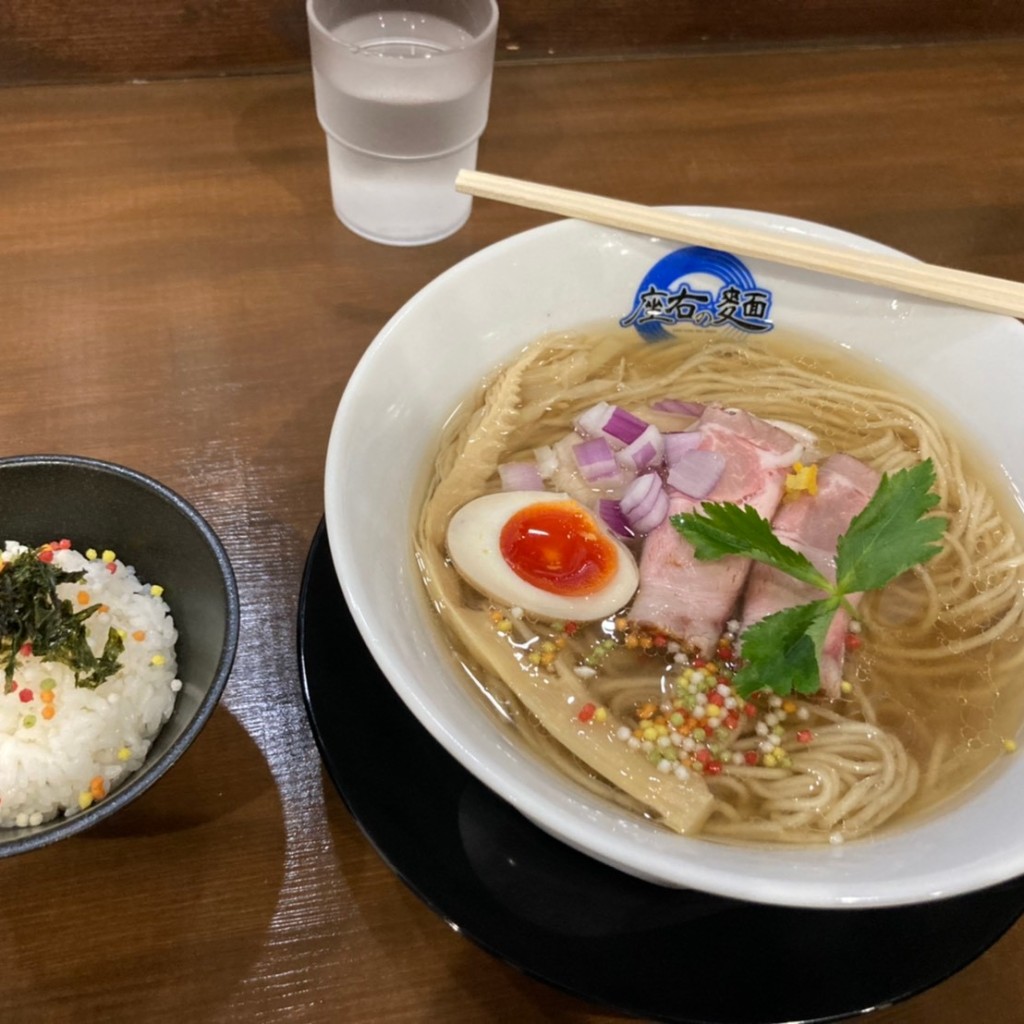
94 738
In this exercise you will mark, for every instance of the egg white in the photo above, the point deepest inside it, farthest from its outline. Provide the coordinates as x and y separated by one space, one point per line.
474 545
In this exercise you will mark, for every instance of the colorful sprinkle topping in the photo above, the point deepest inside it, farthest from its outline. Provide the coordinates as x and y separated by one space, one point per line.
703 725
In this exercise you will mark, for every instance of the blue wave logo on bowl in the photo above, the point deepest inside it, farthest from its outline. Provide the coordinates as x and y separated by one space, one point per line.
702 288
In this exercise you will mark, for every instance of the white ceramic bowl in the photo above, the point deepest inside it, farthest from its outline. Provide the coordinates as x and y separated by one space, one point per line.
474 317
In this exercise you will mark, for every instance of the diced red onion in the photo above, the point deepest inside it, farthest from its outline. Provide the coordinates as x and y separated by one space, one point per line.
590 423
639 490
646 451
644 503
696 473
678 443
624 426
520 476
609 421
679 407
614 518
595 459
654 518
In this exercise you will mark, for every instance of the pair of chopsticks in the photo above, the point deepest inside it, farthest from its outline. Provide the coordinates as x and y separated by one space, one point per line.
977 291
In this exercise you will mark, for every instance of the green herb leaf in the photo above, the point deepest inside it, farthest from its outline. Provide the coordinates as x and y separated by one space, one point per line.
890 535
893 533
723 528
781 651
818 631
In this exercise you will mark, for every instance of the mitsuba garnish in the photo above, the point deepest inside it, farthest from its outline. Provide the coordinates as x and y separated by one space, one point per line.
892 534
35 620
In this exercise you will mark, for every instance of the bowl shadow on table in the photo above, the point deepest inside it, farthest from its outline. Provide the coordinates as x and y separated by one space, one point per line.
190 904
401 919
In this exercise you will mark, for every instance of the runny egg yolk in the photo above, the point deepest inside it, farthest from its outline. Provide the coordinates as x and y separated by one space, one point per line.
558 548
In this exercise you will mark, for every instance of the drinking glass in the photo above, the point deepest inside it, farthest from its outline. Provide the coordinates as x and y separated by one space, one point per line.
402 90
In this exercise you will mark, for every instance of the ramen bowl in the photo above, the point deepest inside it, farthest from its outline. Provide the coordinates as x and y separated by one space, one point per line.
151 528
475 318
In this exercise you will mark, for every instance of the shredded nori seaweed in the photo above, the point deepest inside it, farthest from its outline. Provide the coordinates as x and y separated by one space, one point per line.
32 612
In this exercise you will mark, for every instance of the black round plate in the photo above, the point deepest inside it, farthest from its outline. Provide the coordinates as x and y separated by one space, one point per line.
588 929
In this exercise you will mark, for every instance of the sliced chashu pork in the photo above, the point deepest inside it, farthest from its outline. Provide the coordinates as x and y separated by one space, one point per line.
813 524
689 599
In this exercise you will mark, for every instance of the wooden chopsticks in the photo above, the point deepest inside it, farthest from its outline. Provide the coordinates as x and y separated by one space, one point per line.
977 291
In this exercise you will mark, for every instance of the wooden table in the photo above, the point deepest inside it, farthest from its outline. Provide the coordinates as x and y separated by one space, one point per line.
176 295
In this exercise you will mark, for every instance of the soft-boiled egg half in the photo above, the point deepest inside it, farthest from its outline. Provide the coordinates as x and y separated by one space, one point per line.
542 552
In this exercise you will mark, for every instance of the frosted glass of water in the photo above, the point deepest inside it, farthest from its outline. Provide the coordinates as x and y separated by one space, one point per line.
402 91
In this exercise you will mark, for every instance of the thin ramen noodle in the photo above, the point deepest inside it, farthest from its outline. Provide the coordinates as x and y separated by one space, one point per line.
932 696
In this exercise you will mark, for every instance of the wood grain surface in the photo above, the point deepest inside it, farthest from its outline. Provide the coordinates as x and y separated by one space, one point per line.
176 295
81 40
